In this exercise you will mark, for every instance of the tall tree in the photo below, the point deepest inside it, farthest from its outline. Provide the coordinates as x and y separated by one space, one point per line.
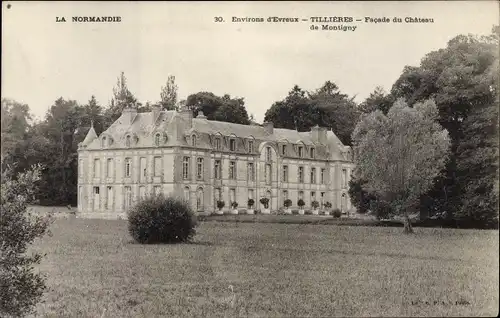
168 94
122 98
15 124
378 99
326 107
223 108
400 154
455 78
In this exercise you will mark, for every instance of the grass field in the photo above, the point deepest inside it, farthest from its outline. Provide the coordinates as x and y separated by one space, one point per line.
269 270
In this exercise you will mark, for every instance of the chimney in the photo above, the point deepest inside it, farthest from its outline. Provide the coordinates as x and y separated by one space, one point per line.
128 115
187 114
155 112
318 134
268 127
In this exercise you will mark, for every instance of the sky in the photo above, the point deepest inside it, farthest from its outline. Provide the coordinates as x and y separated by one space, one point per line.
43 60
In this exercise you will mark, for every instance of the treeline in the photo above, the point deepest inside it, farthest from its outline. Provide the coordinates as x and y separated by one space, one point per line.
461 79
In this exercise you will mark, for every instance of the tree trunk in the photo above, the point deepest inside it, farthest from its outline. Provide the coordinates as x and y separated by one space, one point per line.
407 224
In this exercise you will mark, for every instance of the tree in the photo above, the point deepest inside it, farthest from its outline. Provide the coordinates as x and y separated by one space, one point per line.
378 99
168 94
22 289
456 78
326 107
223 108
360 198
400 154
122 98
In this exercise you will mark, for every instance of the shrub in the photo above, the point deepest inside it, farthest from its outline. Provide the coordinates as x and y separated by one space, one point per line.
251 203
301 203
160 219
336 213
234 205
328 205
295 212
288 203
220 204
265 202
308 212
315 204
21 288
381 209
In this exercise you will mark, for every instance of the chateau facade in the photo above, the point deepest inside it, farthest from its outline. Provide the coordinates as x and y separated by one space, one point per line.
204 161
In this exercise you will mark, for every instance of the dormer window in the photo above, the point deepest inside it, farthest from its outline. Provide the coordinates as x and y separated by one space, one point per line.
283 149
301 151
268 154
103 142
312 152
232 144
217 143
128 141
250 146
193 140
157 139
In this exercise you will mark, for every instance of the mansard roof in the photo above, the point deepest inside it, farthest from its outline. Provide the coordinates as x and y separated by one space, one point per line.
91 136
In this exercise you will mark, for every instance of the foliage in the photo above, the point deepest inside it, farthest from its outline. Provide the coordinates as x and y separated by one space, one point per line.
360 198
22 288
400 154
460 79
336 213
223 108
168 94
315 204
160 219
328 205
378 100
234 205
301 203
326 107
265 202
220 204
288 203
122 98
250 203
381 209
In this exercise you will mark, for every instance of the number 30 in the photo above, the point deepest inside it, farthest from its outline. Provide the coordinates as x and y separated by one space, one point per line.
218 19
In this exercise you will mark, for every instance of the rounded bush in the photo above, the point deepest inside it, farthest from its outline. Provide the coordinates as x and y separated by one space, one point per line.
336 213
160 219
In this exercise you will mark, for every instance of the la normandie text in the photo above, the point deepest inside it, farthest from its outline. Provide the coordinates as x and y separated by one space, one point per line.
91 19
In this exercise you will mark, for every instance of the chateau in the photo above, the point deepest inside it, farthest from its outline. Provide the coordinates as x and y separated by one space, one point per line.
205 161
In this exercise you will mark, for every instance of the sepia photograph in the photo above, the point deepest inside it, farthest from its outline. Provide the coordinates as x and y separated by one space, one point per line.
250 159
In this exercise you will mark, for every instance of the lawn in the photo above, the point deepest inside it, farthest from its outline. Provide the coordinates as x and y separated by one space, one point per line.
269 270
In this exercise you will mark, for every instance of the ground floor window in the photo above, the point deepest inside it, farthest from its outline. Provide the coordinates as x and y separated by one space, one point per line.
199 199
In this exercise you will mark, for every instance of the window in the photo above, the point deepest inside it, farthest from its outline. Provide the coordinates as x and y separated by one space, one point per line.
128 141
103 142
250 193
109 198
268 154
322 199
322 175
199 199
128 197
232 195
193 140
157 190
109 168
312 152
96 190
144 171
283 150
157 166
157 140
344 178
185 168
250 146
268 173
285 195
217 169
313 175
285 174
217 195
301 175
232 144
128 167
251 171
187 195
199 168
301 195
97 168
313 196
232 170
300 151
217 143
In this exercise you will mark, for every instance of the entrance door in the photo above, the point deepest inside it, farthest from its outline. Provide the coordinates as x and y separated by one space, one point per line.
110 198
